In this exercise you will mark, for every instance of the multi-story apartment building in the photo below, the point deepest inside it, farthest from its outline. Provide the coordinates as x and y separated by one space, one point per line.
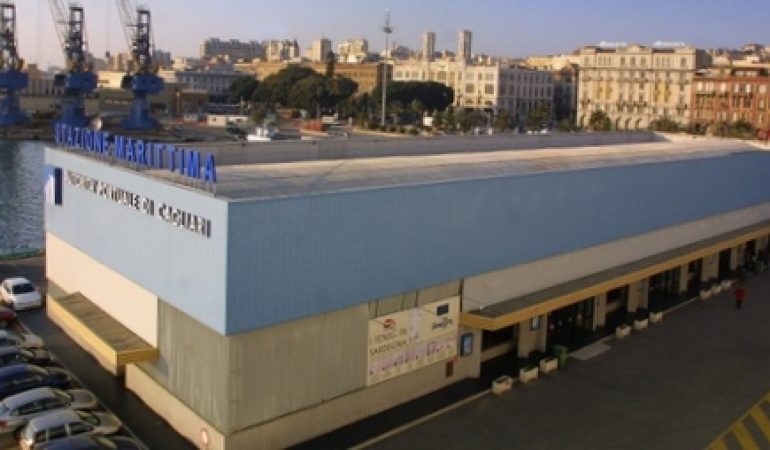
216 83
353 50
428 45
636 85
726 95
282 50
233 49
319 50
490 88
367 75
564 69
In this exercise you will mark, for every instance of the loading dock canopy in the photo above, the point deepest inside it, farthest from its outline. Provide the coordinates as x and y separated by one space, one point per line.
520 309
111 343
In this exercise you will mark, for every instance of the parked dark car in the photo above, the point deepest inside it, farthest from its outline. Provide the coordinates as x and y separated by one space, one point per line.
7 315
21 377
91 442
16 355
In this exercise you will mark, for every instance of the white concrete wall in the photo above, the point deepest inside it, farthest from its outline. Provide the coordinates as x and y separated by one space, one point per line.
505 284
130 304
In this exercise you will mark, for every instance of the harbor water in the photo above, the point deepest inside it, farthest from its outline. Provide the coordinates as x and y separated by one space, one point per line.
21 196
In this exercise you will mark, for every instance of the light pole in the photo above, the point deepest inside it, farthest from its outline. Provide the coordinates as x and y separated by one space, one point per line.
387 30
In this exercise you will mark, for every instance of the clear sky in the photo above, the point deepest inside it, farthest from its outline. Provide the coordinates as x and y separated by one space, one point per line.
500 27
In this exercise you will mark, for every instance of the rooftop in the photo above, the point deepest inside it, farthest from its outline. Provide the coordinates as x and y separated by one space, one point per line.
302 178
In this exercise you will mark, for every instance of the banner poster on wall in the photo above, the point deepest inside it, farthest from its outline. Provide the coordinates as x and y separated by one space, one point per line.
408 340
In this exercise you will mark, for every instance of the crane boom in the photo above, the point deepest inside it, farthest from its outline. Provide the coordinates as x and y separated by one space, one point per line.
12 78
141 78
78 80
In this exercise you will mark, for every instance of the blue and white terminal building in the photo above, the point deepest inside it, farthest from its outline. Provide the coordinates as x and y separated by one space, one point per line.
258 296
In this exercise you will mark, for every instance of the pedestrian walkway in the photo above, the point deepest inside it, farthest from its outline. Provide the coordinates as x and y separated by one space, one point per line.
750 432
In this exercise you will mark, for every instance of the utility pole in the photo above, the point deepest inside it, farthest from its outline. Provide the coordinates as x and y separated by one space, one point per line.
387 30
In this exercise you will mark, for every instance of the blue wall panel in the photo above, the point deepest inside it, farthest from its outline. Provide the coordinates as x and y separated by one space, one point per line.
182 268
295 257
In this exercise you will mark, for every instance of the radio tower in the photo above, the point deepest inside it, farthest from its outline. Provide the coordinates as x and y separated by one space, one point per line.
388 30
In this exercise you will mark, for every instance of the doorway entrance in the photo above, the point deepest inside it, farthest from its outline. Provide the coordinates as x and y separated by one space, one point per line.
664 290
617 308
571 326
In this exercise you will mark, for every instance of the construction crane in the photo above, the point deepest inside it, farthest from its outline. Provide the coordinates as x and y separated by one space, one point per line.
12 76
79 78
142 78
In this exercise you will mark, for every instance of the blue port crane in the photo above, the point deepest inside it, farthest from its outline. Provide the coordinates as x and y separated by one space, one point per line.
12 76
142 78
79 79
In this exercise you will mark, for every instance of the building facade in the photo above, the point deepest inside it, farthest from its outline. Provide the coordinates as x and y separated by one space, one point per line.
353 50
636 85
295 298
366 75
464 47
319 50
232 50
428 46
485 87
216 83
565 71
727 95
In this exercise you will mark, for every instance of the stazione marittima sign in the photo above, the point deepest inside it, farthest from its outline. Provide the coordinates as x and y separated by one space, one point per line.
189 163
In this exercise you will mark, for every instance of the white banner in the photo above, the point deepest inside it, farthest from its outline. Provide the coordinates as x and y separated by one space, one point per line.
408 340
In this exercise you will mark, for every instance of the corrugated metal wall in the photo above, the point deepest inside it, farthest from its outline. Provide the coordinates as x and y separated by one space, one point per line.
287 367
238 381
193 364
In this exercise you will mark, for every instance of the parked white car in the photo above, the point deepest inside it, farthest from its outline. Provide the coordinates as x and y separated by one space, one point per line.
62 424
16 410
19 293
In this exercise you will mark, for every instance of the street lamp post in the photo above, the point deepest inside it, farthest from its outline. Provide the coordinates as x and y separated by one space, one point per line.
387 30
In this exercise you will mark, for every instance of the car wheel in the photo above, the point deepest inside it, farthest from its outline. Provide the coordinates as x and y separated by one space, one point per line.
17 433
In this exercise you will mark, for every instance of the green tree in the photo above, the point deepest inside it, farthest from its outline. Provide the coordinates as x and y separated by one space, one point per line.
243 89
470 119
275 88
433 96
599 121
503 121
666 124
538 117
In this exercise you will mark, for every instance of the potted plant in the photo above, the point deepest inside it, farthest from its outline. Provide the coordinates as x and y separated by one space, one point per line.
528 373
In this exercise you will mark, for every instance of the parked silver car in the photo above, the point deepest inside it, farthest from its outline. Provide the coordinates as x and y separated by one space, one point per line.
18 409
24 340
62 424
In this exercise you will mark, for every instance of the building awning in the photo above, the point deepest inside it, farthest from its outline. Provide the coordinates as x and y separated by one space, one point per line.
111 343
520 309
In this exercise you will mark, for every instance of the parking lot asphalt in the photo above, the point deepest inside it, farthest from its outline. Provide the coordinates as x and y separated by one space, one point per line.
676 385
142 422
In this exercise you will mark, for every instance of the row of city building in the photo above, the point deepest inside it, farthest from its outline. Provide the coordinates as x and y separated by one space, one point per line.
634 85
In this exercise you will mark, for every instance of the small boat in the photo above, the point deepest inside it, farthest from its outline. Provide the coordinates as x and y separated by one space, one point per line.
261 134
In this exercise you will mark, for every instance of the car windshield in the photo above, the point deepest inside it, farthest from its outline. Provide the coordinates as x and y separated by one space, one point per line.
23 288
3 409
64 396
88 418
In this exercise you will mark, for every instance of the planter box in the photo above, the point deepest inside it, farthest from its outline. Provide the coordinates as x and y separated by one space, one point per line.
527 374
716 289
622 331
548 365
705 294
656 317
641 324
727 284
502 384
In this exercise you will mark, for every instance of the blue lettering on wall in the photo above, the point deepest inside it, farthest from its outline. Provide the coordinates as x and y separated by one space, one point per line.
145 154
